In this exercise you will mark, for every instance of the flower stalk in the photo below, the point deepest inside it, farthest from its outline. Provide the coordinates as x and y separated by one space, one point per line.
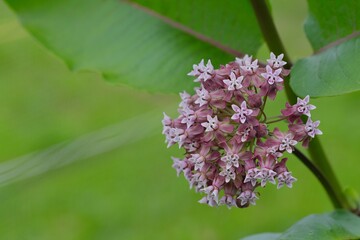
327 178
272 39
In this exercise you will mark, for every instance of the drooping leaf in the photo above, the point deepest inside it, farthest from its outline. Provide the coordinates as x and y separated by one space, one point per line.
329 21
232 23
332 72
333 30
124 43
338 225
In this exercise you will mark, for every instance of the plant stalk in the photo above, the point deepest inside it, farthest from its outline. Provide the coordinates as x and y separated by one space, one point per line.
274 43
272 39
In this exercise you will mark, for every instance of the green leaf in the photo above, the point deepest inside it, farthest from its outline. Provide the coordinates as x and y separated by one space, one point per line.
333 30
329 21
232 23
127 44
339 224
332 72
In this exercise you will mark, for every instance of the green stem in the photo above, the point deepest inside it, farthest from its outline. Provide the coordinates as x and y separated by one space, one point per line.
275 117
262 108
277 120
317 153
272 39
268 28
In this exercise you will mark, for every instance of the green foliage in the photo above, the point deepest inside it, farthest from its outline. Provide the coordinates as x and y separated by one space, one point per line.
332 27
329 21
333 72
127 45
339 224
232 23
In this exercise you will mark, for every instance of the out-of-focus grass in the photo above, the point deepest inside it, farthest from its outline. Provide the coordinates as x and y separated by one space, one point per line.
131 193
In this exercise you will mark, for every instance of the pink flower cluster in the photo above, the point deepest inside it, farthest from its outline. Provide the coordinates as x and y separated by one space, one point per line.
225 131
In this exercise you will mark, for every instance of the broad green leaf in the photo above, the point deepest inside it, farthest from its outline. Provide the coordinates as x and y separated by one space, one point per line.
338 225
124 43
332 72
121 42
232 23
329 21
333 30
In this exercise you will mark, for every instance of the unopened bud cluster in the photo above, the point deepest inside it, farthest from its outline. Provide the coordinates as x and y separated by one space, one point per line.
230 149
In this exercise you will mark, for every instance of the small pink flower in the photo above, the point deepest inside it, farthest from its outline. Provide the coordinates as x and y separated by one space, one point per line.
247 196
201 71
266 175
276 62
272 76
286 141
228 200
166 120
212 124
231 160
175 135
312 128
197 160
303 106
205 154
251 176
272 153
241 112
247 65
234 153
245 133
228 173
203 96
191 146
188 117
185 99
244 60
283 175
285 178
212 198
294 112
219 131
179 165
198 181
234 83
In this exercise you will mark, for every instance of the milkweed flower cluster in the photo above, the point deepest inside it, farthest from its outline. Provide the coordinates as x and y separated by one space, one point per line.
230 150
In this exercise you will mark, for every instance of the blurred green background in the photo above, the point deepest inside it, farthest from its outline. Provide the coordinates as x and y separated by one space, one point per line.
126 188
